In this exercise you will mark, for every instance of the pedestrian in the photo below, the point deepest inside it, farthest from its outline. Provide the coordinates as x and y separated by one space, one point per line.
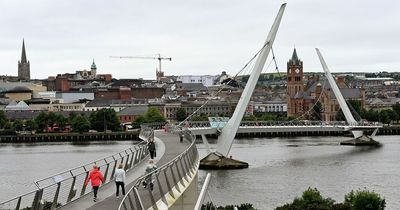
96 178
151 146
150 169
120 179
181 137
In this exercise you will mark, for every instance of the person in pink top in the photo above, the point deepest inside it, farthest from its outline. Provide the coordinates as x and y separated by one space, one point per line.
96 178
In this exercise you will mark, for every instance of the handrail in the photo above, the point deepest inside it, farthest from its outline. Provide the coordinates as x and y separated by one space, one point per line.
202 194
196 124
64 187
91 163
181 169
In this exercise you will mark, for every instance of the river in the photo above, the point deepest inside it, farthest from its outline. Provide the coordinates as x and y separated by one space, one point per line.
280 168
22 164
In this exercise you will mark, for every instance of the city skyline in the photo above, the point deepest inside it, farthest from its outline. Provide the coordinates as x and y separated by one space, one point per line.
200 38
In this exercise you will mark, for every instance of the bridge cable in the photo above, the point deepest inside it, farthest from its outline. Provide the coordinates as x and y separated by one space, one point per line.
312 107
276 65
224 85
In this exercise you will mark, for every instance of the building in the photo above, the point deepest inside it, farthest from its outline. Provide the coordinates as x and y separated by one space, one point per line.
189 89
206 80
19 93
73 96
85 74
147 92
304 95
24 70
123 93
79 80
294 83
129 114
270 107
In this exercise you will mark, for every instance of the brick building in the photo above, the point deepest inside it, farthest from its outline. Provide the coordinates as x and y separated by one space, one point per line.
304 94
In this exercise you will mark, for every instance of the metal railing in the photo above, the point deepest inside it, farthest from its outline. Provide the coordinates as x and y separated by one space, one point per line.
201 124
171 179
62 188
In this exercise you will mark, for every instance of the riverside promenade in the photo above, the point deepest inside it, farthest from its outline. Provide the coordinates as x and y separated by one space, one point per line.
167 148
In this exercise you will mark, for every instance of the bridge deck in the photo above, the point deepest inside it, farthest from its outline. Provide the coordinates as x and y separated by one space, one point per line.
168 147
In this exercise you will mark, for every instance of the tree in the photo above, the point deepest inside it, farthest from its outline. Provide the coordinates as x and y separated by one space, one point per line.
41 121
3 119
310 200
104 119
249 118
51 119
61 121
80 124
153 115
355 109
396 108
31 125
316 113
268 117
71 116
365 200
181 114
138 121
17 125
201 117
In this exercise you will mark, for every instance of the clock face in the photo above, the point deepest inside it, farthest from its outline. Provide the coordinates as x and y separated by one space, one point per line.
297 71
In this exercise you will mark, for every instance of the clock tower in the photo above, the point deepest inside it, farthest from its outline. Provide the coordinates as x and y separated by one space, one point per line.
294 84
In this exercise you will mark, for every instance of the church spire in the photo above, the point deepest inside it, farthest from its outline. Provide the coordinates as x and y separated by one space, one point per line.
23 55
24 72
93 66
294 59
294 56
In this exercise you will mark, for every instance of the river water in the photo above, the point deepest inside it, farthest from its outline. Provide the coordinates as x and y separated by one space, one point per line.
21 164
282 168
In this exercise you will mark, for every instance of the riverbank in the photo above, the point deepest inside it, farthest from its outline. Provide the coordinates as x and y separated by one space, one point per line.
70 137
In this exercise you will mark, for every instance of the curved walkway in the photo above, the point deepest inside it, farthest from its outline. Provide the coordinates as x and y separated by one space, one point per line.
167 148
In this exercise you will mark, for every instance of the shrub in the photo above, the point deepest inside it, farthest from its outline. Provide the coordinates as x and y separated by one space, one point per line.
310 200
364 200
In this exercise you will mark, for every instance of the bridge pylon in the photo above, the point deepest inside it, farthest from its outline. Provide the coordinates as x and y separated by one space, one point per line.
218 159
360 139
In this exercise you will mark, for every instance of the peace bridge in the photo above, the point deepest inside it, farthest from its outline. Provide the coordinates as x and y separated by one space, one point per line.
175 185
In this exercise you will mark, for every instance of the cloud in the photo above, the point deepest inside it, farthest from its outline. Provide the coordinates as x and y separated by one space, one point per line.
202 37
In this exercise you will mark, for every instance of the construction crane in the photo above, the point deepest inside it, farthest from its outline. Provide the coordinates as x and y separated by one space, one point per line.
159 73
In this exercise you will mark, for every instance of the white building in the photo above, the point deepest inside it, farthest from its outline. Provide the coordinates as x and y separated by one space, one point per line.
73 97
270 106
207 80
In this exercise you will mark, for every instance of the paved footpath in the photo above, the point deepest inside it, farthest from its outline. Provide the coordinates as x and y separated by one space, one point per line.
167 148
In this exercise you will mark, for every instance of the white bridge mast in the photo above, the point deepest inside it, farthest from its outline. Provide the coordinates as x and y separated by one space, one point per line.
225 140
342 102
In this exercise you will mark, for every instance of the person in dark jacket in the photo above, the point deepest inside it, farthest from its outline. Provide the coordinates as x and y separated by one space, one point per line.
96 178
149 172
151 146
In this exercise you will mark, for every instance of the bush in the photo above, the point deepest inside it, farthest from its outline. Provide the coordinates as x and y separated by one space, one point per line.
310 200
243 206
364 200
359 200
7 132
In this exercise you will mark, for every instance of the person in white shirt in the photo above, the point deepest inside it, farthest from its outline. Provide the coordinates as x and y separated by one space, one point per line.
120 179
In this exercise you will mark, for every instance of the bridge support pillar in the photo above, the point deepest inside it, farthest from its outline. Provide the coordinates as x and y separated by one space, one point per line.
188 199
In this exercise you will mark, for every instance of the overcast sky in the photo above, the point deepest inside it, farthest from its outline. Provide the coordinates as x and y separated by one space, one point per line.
202 36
